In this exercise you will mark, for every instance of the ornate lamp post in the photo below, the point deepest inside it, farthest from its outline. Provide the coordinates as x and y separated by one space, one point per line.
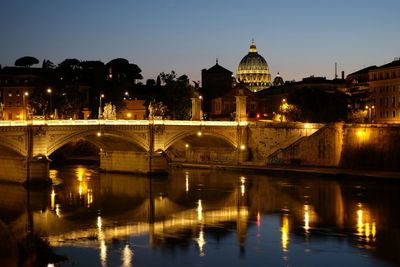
101 96
369 110
24 96
49 91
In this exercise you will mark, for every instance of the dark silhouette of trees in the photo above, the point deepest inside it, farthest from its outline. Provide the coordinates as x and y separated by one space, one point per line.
26 61
176 95
315 105
121 78
47 64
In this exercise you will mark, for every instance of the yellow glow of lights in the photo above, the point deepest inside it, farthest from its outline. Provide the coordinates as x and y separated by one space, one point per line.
201 242
187 182
129 115
242 147
242 186
49 90
199 133
58 210
70 121
360 133
99 222
365 228
285 233
242 189
187 145
80 189
127 256
89 197
306 218
103 252
52 199
199 210
99 134
360 220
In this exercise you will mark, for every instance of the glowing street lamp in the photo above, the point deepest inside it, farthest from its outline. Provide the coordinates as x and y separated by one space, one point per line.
24 96
369 110
101 96
49 91
283 107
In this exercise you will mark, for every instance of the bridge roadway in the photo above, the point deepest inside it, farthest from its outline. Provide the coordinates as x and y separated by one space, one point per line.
141 146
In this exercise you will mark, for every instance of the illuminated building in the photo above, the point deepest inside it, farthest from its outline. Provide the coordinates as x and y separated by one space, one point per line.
384 86
134 110
253 70
15 85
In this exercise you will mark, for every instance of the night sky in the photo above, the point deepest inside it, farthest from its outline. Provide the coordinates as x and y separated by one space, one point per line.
297 38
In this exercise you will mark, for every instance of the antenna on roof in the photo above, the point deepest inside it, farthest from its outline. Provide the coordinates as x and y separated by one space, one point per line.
336 70
216 61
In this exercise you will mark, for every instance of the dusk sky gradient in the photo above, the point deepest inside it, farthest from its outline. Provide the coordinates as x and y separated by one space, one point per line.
298 38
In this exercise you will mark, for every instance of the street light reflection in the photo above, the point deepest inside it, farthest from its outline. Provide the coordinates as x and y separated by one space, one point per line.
127 255
285 232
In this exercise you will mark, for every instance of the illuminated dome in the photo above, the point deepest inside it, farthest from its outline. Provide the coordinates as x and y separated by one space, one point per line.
253 70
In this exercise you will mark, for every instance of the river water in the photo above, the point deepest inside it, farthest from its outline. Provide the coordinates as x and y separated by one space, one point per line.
210 218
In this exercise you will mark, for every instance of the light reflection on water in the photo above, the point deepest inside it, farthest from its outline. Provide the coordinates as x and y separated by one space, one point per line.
209 218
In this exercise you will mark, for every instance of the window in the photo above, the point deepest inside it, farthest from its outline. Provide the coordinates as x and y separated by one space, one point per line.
380 90
394 74
387 101
387 114
394 114
381 114
393 101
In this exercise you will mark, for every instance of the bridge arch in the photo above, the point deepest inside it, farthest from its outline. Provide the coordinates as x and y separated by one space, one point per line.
105 139
200 133
15 144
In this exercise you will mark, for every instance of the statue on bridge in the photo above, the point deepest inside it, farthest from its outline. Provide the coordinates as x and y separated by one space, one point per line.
110 112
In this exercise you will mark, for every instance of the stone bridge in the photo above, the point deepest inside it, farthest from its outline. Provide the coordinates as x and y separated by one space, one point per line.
141 146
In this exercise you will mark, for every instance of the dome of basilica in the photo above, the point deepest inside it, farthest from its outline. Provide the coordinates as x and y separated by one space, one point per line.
253 70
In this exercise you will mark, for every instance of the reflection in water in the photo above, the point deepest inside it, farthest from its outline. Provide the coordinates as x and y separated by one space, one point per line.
199 210
102 242
187 181
306 219
127 255
201 216
285 232
52 199
201 242
366 226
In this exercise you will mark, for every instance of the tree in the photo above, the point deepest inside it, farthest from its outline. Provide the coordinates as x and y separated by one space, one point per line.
121 77
26 61
47 64
176 94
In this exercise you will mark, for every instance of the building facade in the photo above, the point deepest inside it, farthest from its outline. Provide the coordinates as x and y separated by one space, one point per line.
384 86
16 84
215 82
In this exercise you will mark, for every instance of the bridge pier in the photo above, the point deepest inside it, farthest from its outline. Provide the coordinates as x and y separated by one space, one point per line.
132 162
38 169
